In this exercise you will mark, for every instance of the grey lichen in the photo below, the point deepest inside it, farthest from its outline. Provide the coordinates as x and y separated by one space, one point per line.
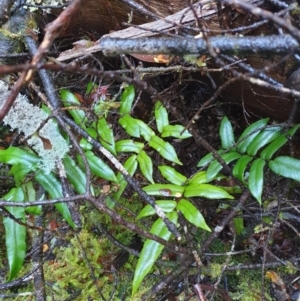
44 3
43 136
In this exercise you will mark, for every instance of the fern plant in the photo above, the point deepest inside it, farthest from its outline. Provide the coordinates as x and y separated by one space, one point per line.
254 149
173 196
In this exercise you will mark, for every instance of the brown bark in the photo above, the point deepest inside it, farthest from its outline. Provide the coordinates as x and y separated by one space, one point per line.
103 16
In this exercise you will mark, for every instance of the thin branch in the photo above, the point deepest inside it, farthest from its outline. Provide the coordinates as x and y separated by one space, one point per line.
265 15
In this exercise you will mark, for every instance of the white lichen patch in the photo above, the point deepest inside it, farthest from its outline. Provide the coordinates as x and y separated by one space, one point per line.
43 136
44 3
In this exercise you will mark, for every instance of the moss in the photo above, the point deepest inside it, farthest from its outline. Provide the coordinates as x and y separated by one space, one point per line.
70 271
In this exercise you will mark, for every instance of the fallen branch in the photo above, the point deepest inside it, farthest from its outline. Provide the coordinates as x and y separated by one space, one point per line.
272 44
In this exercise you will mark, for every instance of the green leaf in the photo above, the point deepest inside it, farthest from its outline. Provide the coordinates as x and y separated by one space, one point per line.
127 98
128 145
175 131
198 178
106 135
239 225
15 234
30 196
50 184
75 175
19 171
192 214
256 178
226 134
287 167
207 191
165 205
151 251
84 144
29 192
98 167
262 139
53 187
208 159
15 155
145 130
165 149
272 148
131 126
164 189
146 165
250 132
173 176
161 116
130 165
90 87
70 100
240 167
215 166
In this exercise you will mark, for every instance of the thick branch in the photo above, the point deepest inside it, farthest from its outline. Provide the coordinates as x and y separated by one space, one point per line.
180 46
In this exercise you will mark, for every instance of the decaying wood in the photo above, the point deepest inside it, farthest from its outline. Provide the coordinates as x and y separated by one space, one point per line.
204 9
183 17
260 100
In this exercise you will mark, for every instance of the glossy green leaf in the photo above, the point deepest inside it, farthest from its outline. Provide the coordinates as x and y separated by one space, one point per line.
130 165
145 130
29 192
226 134
208 159
273 147
161 116
239 225
215 166
53 187
131 126
15 234
30 196
262 139
165 149
207 191
192 214
84 144
151 251
175 131
127 99
240 167
19 171
287 167
98 167
146 165
106 135
90 87
70 100
75 175
165 205
173 176
256 178
250 133
232 189
14 155
164 189
128 145
198 178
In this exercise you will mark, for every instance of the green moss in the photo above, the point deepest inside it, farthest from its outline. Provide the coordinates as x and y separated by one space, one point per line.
247 286
70 271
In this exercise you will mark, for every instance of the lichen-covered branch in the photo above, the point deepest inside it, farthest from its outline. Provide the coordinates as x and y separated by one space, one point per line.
272 44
